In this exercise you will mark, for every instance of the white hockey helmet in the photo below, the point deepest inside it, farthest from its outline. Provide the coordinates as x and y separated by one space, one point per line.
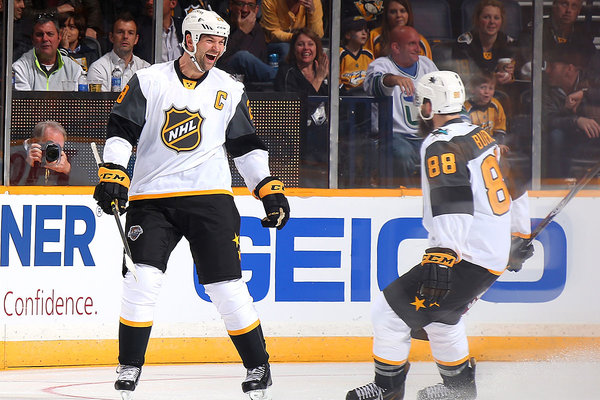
445 91
203 22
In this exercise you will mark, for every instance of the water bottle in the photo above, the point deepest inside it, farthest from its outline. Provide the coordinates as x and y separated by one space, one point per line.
274 60
82 83
115 80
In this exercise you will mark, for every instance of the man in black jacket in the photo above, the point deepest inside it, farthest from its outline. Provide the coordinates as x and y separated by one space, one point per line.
569 110
246 52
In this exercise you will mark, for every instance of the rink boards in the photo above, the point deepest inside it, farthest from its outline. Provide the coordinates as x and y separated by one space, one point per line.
60 281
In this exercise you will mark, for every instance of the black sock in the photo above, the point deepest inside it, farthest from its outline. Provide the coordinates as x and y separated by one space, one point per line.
251 347
457 375
133 342
389 376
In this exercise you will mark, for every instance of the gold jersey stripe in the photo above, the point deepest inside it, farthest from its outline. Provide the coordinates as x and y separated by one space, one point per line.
179 194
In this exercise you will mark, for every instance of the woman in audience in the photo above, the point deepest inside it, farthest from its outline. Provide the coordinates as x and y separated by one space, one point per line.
305 72
485 45
307 65
72 29
395 13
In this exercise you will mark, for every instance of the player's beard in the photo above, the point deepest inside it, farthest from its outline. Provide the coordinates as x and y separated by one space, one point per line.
425 127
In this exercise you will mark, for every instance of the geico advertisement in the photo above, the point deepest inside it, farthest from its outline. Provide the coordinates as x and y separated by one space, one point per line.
60 262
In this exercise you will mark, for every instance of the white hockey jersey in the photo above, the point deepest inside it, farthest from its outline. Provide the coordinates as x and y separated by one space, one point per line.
405 114
467 206
181 128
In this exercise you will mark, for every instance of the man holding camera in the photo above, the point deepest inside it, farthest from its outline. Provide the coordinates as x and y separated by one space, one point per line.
45 161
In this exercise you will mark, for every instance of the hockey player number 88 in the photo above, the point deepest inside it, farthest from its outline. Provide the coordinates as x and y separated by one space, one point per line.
497 191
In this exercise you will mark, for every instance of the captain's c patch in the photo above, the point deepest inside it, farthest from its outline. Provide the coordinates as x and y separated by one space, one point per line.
181 130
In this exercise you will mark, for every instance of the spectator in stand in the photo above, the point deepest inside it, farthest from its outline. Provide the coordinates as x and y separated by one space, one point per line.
560 28
485 110
246 52
396 76
185 6
570 110
395 13
171 34
481 48
21 29
43 67
43 160
72 31
306 67
354 58
123 37
305 72
370 10
89 8
280 18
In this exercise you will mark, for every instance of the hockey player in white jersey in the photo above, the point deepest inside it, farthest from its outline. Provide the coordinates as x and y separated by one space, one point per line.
184 116
469 216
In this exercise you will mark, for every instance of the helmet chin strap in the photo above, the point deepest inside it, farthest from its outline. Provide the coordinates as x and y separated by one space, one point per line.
193 57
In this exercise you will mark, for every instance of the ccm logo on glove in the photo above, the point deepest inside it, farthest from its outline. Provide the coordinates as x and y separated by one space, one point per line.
113 175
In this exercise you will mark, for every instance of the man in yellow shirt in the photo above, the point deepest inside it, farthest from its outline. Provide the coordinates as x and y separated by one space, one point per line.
279 20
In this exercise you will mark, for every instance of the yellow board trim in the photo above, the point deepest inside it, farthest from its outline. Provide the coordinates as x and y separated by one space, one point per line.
298 192
55 353
244 330
134 324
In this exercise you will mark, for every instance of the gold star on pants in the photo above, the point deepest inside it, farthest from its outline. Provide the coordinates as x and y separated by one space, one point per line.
419 303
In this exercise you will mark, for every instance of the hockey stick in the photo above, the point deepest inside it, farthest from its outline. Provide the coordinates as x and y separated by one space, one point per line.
591 172
114 206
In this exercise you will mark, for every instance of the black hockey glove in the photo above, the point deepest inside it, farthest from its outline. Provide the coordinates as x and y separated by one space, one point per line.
436 277
113 186
270 192
519 252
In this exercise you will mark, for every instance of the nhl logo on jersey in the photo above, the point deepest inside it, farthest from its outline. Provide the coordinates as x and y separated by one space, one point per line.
181 130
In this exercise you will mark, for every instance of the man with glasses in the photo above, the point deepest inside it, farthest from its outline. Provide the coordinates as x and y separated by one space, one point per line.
43 67
247 49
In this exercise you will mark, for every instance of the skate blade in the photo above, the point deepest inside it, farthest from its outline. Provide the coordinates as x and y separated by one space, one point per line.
262 394
126 394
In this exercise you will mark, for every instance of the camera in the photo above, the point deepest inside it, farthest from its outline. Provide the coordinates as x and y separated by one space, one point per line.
50 152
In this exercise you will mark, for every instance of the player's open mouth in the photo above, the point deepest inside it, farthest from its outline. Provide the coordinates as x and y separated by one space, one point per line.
211 57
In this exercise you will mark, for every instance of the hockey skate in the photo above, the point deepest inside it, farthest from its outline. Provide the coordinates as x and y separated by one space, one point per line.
257 382
371 391
461 387
127 380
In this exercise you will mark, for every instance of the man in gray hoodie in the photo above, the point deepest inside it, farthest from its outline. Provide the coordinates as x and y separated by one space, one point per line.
43 68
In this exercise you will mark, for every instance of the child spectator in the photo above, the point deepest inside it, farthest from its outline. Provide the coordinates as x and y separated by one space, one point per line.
485 110
72 30
354 58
